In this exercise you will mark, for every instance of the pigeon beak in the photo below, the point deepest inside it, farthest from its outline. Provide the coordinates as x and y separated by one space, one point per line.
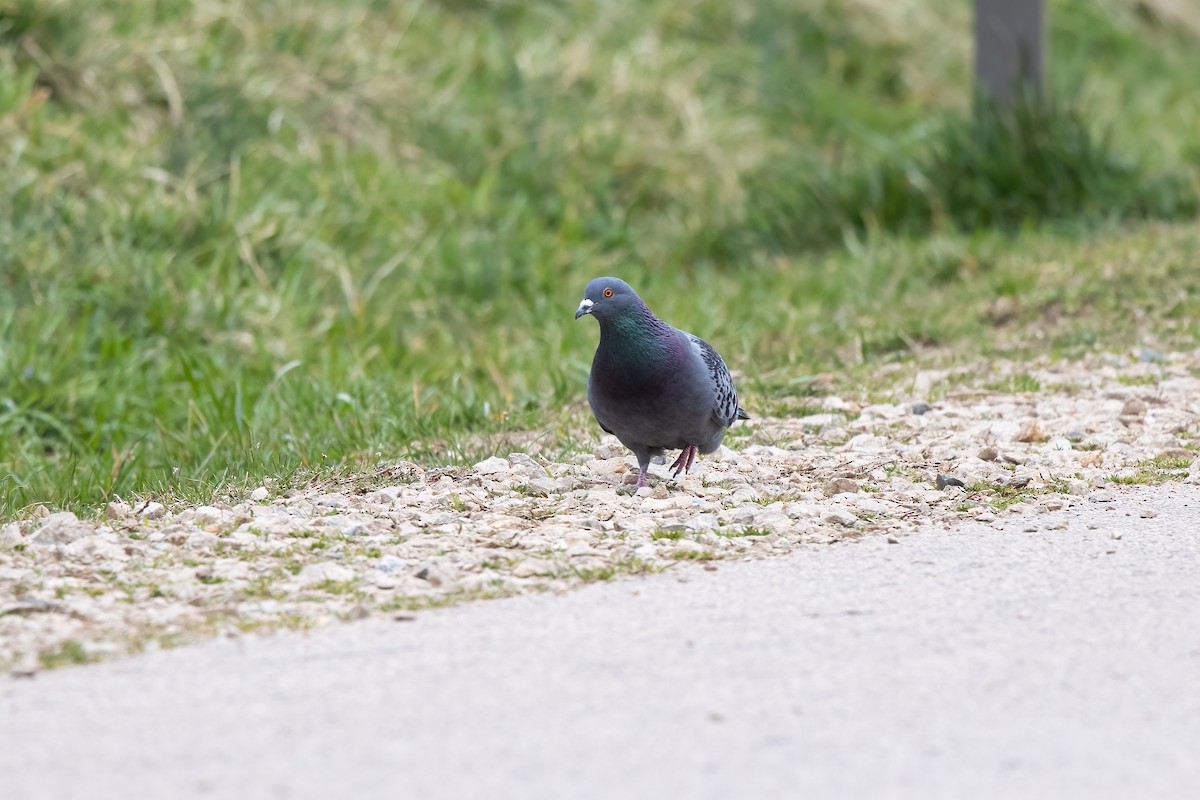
584 308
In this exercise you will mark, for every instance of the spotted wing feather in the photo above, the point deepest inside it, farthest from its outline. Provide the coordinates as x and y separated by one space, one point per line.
725 402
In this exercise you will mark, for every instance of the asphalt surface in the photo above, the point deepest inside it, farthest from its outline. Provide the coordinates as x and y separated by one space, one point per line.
980 662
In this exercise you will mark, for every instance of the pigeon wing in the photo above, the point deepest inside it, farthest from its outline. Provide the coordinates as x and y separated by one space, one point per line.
725 402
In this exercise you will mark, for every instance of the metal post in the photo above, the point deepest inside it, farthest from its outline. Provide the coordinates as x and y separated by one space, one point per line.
1010 48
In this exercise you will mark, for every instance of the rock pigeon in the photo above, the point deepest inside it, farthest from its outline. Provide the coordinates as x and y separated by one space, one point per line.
655 387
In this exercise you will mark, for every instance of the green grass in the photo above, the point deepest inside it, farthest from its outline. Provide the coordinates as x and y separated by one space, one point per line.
1159 469
69 652
671 535
297 240
1003 497
693 555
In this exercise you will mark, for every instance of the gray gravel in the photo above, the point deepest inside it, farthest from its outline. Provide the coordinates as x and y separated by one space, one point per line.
1047 655
148 576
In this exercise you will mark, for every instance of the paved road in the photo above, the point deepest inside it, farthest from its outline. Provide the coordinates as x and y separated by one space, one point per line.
974 663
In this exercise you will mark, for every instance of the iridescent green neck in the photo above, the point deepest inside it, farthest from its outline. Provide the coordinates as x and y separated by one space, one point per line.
637 345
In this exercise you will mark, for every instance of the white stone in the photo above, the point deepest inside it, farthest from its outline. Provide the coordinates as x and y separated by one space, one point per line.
325 571
543 487
201 540
60 528
524 464
153 510
867 442
89 549
840 517
116 510
703 522
532 567
492 466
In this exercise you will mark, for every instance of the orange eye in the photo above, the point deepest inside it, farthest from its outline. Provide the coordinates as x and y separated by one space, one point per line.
608 292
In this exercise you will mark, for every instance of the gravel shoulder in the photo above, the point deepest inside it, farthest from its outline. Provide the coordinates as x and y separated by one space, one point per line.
1052 655
948 447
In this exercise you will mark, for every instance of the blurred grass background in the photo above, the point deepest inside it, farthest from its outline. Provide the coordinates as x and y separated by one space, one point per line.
273 239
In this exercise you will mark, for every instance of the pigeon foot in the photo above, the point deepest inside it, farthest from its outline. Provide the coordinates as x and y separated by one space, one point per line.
687 457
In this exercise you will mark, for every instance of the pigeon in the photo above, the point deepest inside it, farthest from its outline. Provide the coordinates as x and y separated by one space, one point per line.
655 387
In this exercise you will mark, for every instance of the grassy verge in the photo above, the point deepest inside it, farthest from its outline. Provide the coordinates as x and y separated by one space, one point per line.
272 239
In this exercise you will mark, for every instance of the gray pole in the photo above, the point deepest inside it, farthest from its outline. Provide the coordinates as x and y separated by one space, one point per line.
1010 48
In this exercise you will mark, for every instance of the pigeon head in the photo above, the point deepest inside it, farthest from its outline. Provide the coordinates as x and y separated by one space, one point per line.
606 298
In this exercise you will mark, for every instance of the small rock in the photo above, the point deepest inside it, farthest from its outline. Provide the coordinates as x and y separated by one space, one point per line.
839 517
526 464
201 540
606 451
532 567
1017 482
492 466
332 501
204 515
90 549
543 487
260 494
743 516
386 495
866 443
944 482
26 666
1148 355
988 453
1148 513
391 563
117 509
1031 431
1133 408
325 571
10 535
153 510
841 486
1076 487
60 528
921 408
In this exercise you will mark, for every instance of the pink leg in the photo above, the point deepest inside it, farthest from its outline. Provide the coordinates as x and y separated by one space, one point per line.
687 457
642 473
